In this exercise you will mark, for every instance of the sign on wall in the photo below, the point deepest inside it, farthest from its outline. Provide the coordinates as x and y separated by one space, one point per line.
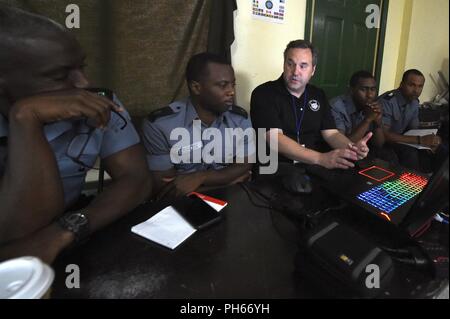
269 10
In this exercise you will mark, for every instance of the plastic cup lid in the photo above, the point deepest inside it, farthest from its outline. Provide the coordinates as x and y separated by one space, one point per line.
24 278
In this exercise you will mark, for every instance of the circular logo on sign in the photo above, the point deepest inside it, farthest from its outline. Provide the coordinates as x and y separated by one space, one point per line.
269 5
314 105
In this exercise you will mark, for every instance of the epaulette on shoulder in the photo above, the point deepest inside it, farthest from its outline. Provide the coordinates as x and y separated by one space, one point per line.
389 96
239 111
165 111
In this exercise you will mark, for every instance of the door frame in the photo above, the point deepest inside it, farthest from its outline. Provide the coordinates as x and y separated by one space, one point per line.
310 7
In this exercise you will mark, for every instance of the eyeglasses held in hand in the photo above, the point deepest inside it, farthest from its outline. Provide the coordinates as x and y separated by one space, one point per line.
80 141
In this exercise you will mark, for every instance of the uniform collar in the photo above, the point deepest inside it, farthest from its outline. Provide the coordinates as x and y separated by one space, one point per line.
349 104
400 99
51 131
226 117
221 118
280 86
191 115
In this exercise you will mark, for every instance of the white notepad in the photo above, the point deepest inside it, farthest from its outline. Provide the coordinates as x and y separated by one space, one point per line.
170 229
166 228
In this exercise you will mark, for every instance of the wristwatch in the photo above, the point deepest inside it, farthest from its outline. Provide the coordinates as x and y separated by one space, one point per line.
77 223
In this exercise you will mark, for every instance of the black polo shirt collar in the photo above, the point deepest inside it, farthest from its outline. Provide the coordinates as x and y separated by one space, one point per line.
280 86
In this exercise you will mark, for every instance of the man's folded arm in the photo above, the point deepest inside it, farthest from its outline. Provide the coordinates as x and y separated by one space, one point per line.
220 177
392 137
31 192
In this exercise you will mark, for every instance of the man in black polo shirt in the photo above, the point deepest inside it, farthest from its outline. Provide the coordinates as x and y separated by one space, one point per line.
299 114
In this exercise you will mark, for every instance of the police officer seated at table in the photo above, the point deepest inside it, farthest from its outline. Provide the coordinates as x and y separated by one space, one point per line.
359 112
179 137
400 114
52 132
299 115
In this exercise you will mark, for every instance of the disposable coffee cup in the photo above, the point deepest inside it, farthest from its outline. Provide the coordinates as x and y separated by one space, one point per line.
25 278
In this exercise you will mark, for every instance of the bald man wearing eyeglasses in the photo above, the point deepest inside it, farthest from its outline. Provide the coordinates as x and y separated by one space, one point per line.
52 130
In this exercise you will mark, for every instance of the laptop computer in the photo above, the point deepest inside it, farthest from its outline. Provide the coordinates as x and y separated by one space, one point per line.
401 196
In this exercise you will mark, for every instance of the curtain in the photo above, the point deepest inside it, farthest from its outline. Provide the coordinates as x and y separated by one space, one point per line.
140 48
221 28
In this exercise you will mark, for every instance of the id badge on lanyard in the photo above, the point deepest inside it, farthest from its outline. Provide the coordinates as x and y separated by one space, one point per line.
299 122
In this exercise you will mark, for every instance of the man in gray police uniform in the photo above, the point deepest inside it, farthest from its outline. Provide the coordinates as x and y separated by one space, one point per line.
358 111
51 131
211 83
400 114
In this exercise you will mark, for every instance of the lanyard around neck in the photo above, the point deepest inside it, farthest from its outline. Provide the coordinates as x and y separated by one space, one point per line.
299 121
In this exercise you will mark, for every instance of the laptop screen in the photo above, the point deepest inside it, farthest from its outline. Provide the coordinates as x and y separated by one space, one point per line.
432 200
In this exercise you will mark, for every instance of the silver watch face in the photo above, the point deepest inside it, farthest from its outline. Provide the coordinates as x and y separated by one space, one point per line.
76 220
78 223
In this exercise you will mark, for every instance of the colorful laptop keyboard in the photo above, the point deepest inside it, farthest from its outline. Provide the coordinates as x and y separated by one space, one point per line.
392 194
